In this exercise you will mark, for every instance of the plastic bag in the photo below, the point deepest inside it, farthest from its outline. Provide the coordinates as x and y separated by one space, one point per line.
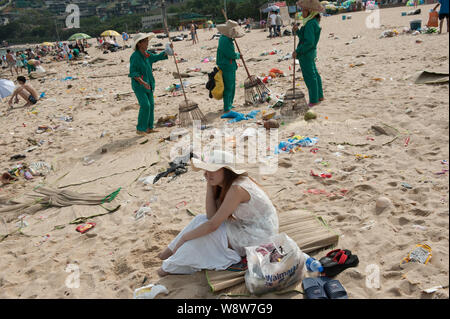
149 292
169 50
433 20
40 69
275 265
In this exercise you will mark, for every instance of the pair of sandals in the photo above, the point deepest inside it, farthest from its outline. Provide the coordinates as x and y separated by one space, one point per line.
323 288
335 262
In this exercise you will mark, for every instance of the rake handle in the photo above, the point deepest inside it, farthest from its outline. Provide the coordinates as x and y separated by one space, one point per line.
176 63
243 61
293 80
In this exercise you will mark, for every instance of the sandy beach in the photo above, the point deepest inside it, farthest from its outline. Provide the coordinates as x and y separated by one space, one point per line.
368 81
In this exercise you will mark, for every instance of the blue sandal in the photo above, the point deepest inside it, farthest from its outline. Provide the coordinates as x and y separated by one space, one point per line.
335 290
314 288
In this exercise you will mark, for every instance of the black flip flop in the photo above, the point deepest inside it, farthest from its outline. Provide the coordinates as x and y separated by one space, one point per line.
314 287
336 261
335 290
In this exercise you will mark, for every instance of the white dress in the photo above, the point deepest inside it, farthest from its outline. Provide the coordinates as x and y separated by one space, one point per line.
255 222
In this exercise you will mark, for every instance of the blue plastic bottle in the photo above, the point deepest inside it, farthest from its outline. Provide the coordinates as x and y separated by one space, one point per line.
312 264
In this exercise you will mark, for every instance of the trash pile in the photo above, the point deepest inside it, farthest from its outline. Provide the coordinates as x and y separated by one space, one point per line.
167 121
389 34
273 52
406 30
286 57
273 74
208 59
176 87
295 143
25 171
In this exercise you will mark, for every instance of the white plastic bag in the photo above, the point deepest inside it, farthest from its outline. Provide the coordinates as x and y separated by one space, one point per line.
273 266
149 292
169 50
40 69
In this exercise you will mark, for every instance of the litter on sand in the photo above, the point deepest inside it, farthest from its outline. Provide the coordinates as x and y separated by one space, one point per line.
149 292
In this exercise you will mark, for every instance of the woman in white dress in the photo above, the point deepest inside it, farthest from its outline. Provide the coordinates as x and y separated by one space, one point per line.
239 214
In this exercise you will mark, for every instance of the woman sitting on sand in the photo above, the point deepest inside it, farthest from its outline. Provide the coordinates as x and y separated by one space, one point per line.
239 214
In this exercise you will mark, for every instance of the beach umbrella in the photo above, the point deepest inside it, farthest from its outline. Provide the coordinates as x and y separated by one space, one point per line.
47 44
7 88
271 8
79 36
209 22
110 33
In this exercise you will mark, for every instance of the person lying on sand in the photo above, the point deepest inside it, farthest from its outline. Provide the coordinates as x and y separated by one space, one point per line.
239 214
26 91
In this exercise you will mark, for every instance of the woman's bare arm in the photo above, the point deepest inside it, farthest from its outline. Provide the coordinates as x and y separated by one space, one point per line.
235 196
211 207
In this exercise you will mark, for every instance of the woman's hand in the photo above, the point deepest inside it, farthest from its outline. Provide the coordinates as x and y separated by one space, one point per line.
179 244
295 28
294 55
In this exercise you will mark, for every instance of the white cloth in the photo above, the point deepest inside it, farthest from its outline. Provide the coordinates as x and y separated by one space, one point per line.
256 221
208 252
273 19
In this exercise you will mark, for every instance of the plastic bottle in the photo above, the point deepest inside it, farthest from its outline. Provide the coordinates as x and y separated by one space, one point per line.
312 264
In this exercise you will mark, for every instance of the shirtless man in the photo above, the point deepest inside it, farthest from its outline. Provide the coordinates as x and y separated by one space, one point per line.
11 60
26 91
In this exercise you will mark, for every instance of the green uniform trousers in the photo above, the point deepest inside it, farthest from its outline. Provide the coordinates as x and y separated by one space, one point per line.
312 78
146 116
229 81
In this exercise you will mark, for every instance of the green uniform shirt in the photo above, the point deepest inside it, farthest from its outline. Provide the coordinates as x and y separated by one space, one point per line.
226 57
141 66
309 36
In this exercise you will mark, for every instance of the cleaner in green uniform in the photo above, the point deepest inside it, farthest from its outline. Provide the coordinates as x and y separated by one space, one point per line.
143 82
306 52
226 60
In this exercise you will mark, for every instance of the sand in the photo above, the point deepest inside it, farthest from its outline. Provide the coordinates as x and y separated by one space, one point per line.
119 254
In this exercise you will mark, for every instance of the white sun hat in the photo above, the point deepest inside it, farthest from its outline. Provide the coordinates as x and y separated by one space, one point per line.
216 160
141 36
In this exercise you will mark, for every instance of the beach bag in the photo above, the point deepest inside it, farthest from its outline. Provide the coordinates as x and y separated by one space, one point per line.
433 20
273 266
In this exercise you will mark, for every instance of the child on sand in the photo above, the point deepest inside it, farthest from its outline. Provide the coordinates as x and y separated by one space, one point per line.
239 214
26 91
